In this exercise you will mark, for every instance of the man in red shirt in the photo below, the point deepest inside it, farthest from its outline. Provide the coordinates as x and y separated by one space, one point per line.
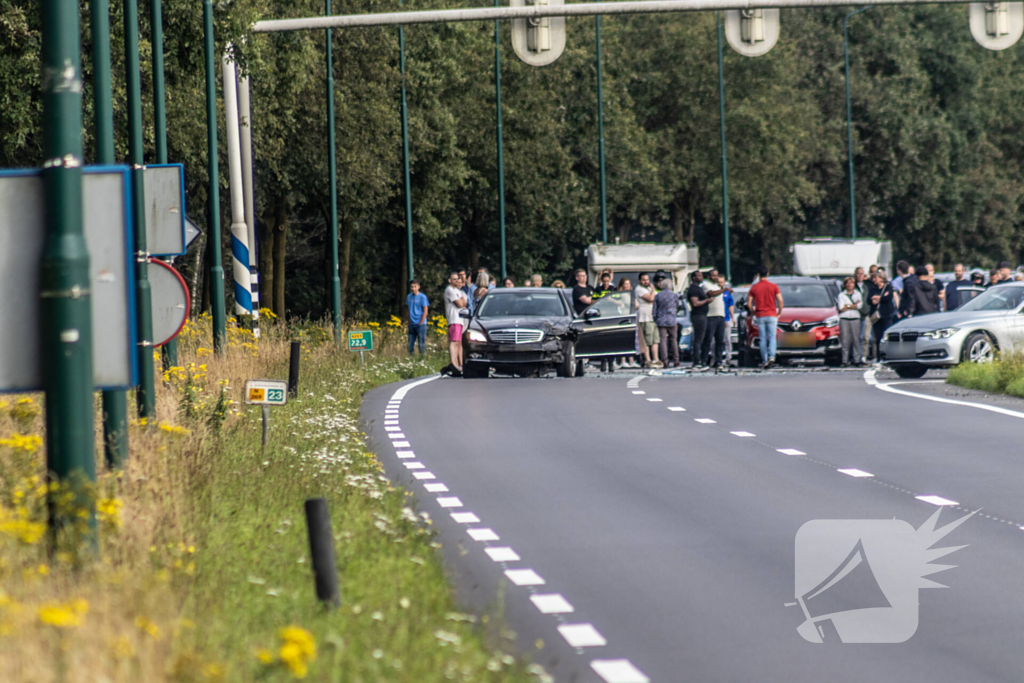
765 303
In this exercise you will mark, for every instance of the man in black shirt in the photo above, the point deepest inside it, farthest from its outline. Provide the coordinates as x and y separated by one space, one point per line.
698 301
582 293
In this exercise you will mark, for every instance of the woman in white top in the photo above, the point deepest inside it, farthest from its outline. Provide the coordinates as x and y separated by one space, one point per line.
849 321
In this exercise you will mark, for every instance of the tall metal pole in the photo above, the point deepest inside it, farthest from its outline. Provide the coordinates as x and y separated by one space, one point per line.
405 154
64 284
725 165
170 349
115 402
849 123
600 137
333 166
213 201
159 110
501 159
145 393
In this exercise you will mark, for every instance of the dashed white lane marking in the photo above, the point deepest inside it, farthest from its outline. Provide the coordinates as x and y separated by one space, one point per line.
854 472
633 383
465 518
869 377
639 393
937 500
551 603
401 444
790 451
405 454
743 435
618 671
654 400
396 435
482 534
389 421
414 465
391 411
423 475
705 421
449 502
435 488
582 635
502 554
677 409
524 577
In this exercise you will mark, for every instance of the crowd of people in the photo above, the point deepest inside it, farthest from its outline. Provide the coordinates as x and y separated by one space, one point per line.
868 303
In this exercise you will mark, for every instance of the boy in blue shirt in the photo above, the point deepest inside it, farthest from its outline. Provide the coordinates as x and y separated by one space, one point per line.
418 306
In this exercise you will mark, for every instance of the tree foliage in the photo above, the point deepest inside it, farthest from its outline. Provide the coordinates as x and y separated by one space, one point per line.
937 149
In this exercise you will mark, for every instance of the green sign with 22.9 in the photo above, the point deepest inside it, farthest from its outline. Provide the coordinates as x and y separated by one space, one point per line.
360 341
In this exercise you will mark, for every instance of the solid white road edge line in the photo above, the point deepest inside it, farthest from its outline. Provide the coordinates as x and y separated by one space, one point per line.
869 378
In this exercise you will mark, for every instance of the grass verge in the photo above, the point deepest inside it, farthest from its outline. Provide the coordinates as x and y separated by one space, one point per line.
1004 375
203 567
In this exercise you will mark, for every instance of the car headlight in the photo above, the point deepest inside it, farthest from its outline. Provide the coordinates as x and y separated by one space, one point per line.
476 336
687 331
944 333
832 322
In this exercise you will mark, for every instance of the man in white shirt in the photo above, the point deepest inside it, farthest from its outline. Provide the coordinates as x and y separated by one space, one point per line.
454 301
715 332
849 303
648 331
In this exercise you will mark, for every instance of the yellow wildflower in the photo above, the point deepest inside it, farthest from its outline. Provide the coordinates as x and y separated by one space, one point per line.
63 616
108 510
265 656
23 442
148 627
122 648
297 649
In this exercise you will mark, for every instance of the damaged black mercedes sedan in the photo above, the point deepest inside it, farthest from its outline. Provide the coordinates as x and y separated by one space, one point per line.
520 331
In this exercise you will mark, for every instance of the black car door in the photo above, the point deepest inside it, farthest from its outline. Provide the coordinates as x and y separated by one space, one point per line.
607 327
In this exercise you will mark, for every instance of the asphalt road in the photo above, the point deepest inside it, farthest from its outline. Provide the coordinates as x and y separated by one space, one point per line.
671 533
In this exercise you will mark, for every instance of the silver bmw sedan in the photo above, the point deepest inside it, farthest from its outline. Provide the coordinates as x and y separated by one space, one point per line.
991 323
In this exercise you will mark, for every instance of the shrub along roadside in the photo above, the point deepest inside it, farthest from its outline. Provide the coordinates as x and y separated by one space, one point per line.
204 571
1002 376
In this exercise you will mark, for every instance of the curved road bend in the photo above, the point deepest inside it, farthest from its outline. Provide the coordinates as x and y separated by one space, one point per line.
663 513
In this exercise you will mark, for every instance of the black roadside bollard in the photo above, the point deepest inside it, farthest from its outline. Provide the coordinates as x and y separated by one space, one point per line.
293 368
321 548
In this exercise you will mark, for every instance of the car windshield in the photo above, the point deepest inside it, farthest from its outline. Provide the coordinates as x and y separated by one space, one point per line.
999 298
498 304
805 295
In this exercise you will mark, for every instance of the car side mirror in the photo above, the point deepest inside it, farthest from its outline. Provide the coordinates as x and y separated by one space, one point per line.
591 313
463 312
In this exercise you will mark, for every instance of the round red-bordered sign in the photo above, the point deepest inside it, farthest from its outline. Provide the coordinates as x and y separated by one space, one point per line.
171 301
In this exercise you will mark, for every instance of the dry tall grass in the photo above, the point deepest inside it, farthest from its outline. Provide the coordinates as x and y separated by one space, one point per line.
72 617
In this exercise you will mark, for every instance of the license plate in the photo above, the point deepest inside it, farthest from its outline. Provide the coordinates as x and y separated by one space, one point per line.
797 340
900 350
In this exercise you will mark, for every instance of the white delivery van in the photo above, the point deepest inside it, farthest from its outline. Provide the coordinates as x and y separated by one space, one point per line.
837 257
629 260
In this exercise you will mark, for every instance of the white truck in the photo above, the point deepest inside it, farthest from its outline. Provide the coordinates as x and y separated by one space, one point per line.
629 260
833 257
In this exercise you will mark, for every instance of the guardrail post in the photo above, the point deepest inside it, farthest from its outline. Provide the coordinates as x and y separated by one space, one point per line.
293 368
321 548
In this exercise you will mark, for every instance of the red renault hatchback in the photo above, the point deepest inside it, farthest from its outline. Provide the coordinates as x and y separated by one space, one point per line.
808 327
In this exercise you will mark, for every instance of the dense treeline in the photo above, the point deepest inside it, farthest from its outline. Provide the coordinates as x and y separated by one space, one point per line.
938 146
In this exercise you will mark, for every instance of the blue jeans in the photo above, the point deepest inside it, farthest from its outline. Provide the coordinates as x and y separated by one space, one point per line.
766 327
417 332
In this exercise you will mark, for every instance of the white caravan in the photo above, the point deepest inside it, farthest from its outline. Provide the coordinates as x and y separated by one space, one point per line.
629 260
